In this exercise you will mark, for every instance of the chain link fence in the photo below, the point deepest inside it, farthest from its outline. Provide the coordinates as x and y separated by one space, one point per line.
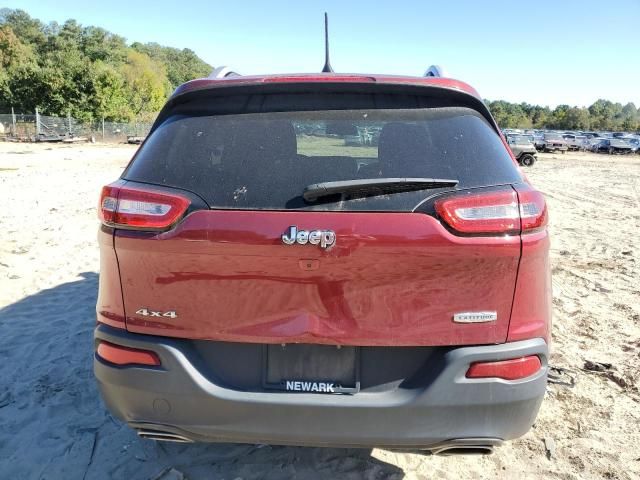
19 127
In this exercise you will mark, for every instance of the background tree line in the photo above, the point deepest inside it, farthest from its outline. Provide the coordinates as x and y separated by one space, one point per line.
86 71
92 73
601 115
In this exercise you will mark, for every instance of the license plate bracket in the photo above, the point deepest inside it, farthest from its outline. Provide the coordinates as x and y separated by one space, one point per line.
306 368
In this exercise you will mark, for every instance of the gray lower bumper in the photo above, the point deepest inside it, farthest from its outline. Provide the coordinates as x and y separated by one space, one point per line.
178 399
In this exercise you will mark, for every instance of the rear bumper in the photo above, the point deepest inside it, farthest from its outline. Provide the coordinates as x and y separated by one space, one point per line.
179 399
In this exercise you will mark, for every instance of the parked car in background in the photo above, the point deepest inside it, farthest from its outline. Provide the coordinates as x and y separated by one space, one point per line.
612 146
592 141
523 149
635 144
553 142
575 142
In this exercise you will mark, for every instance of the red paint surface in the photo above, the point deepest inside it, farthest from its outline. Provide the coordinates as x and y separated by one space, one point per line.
109 307
531 315
391 279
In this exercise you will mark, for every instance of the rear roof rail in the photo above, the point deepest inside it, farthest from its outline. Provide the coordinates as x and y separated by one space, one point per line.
435 71
223 72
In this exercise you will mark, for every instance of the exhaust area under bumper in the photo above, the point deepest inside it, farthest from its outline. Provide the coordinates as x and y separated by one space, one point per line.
446 414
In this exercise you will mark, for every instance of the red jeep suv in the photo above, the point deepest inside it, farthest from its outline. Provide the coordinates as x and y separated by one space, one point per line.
328 259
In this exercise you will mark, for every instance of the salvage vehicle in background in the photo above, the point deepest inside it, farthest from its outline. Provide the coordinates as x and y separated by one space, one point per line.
575 142
635 144
612 146
523 149
553 142
538 141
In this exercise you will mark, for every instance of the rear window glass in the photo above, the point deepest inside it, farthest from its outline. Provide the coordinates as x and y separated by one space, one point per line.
265 160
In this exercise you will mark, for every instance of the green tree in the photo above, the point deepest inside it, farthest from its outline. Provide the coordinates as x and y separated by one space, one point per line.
182 65
630 120
110 97
29 30
577 119
540 116
17 65
146 82
100 45
602 113
86 71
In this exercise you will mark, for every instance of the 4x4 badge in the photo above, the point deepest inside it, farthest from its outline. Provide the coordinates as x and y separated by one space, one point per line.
145 312
324 238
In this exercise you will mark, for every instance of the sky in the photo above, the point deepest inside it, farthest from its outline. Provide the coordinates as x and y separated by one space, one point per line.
543 52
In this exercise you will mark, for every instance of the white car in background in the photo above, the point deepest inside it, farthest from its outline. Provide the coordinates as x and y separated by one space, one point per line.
575 142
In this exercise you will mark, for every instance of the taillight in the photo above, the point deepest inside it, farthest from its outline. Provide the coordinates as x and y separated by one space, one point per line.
512 369
108 204
533 209
140 208
494 212
119 355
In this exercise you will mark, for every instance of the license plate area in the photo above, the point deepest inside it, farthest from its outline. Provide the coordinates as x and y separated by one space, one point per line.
302 368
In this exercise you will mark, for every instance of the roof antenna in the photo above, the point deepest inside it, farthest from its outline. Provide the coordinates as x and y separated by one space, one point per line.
327 65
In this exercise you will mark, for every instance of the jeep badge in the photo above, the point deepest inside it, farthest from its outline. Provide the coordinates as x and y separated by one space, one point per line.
324 238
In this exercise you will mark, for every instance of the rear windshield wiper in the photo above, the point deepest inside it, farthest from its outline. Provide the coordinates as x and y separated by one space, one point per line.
369 187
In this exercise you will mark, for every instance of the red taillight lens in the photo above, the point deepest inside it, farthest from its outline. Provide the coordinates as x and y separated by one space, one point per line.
513 369
108 204
494 212
533 209
119 355
140 208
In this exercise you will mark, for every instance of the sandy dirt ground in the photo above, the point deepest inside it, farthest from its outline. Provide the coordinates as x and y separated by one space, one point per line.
54 426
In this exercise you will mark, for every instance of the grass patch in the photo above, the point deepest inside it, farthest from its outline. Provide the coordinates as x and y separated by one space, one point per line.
330 147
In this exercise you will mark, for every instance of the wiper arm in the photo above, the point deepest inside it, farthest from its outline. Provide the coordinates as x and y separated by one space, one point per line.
369 187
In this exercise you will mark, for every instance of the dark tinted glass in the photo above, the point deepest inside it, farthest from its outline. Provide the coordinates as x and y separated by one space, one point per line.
265 160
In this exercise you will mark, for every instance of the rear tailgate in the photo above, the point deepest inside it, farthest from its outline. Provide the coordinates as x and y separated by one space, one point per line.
395 281
395 276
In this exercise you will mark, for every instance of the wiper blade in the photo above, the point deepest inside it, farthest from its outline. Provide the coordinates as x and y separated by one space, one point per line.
369 187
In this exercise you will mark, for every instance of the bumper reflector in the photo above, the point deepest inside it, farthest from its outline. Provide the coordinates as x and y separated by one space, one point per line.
120 355
513 369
